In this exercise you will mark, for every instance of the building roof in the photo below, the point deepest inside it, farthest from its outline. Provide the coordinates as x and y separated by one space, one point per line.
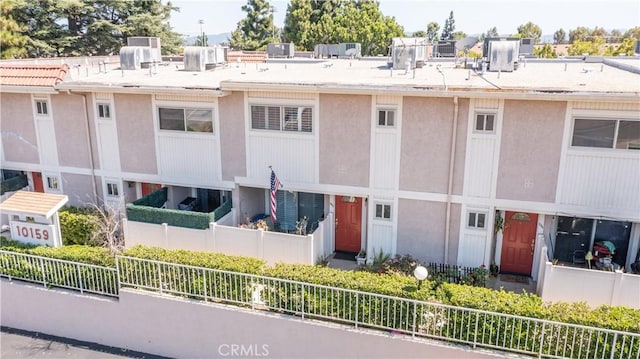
596 78
32 75
33 203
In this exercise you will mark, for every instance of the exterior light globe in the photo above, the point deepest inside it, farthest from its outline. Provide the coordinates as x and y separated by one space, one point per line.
420 273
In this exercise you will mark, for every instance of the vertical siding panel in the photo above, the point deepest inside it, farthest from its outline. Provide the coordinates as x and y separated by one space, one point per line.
385 160
481 166
293 159
189 160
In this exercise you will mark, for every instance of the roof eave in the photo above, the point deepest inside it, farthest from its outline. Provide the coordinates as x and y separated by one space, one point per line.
28 89
437 91
95 87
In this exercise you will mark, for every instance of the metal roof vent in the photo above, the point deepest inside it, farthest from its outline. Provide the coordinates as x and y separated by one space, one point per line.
503 55
343 50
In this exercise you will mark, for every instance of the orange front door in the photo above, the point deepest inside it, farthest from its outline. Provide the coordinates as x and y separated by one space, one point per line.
519 235
348 224
37 182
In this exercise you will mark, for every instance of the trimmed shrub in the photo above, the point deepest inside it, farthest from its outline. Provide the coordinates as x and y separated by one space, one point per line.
77 226
74 253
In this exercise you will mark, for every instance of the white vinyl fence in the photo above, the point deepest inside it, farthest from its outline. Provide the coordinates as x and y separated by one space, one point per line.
273 247
596 287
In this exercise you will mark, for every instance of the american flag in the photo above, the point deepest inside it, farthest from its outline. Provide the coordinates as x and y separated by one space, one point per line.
275 184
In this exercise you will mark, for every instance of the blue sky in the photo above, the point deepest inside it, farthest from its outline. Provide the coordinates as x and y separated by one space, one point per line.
471 16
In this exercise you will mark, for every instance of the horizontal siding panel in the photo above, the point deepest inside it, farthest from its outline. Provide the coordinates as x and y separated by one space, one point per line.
381 238
185 98
292 157
601 181
384 161
487 103
607 106
103 96
282 95
388 100
189 160
480 167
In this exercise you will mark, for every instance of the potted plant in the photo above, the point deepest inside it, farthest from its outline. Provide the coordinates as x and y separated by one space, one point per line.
361 258
494 269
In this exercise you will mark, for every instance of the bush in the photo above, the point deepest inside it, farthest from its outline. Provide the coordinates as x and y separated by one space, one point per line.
74 253
77 226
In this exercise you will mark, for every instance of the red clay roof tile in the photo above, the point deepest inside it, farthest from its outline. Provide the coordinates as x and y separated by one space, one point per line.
32 75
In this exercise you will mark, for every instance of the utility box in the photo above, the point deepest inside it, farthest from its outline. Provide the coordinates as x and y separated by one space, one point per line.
408 53
503 55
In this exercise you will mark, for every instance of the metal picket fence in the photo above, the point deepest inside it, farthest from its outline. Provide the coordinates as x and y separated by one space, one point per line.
473 327
52 272
477 328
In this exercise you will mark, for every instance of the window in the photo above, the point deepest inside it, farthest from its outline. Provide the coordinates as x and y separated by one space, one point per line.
41 107
52 183
282 118
476 220
485 122
103 111
386 118
383 211
599 133
186 119
112 189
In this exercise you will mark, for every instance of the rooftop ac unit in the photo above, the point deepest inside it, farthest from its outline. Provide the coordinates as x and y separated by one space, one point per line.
150 42
408 53
131 57
280 50
351 50
526 46
195 58
503 55
444 49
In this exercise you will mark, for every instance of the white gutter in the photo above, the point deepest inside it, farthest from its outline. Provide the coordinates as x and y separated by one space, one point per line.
28 89
93 87
452 155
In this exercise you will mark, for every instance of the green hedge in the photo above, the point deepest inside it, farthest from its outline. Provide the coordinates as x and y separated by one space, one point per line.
523 304
172 217
75 253
155 199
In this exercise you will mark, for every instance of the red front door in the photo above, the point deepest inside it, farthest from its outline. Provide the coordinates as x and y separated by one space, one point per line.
148 188
519 235
37 182
348 223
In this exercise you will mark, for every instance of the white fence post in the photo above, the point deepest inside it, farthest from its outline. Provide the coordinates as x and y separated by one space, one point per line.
165 232
617 288
312 259
260 234
212 229
548 277
125 231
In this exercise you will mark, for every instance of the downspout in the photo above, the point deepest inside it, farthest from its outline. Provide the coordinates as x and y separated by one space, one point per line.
452 155
90 147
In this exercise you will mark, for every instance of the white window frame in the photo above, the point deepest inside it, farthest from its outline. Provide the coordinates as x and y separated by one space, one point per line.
476 219
617 121
41 107
383 206
484 122
109 189
184 119
386 117
283 121
49 179
106 110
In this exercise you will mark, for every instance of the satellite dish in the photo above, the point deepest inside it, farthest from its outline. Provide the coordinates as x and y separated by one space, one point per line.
466 43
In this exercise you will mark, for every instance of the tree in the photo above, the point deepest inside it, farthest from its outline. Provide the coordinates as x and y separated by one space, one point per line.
202 40
311 22
545 52
530 30
625 48
559 37
12 40
99 27
633 32
458 35
579 47
448 28
615 36
419 33
580 33
432 31
256 29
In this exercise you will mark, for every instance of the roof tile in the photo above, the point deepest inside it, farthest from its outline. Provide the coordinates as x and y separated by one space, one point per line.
32 75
